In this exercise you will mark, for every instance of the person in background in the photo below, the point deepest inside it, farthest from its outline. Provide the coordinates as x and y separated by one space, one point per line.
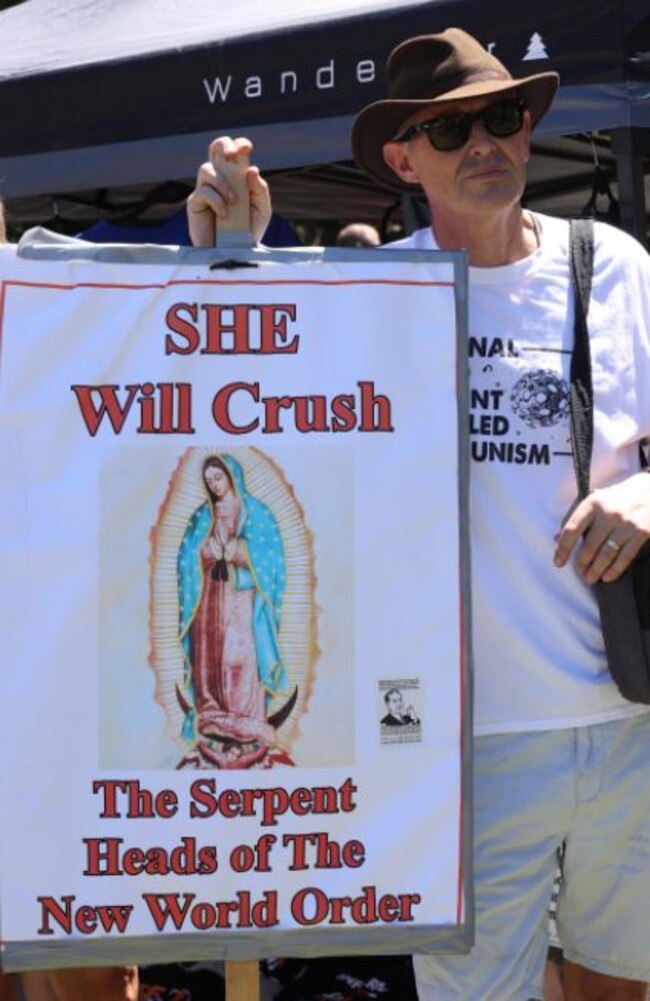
559 755
97 983
357 234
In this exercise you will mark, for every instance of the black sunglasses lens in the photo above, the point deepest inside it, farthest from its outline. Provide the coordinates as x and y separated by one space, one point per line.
449 132
504 118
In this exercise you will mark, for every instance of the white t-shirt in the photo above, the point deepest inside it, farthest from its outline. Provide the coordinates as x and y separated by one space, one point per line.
538 650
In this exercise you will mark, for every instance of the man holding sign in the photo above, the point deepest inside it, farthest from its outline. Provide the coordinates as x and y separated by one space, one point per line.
560 756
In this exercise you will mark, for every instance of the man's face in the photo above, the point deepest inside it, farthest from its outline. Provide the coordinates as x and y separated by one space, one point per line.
395 704
486 175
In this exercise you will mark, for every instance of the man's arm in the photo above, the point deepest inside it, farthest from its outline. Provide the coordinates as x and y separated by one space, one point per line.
213 197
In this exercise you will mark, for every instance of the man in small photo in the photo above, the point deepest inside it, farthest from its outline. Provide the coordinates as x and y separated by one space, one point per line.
397 714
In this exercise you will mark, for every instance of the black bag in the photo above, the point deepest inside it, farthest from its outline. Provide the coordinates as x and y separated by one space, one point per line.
624 604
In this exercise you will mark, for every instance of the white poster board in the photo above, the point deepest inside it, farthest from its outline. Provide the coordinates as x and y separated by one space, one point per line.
234 624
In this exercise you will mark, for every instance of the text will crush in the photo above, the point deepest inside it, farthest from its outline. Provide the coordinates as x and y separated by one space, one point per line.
237 407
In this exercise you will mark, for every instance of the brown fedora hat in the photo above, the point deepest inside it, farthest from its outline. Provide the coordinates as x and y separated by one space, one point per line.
431 68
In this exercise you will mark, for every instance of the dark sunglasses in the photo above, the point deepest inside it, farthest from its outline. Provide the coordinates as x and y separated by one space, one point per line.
452 129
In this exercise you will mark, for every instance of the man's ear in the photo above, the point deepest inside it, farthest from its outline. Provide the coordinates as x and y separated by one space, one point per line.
396 156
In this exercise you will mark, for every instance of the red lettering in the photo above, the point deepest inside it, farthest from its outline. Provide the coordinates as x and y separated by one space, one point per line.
134 861
108 403
363 909
337 905
84 919
311 413
388 908
344 417
353 854
115 917
346 793
276 803
328 854
272 407
110 789
301 801
217 327
221 407
228 328
319 903
407 901
263 850
242 858
141 802
147 408
375 410
165 407
230 803
165 907
224 909
103 859
166 804
204 916
62 915
298 844
264 913
248 797
102 856
183 328
208 860
203 802
172 407
274 329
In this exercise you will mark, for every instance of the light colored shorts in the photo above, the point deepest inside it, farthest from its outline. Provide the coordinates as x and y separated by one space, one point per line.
589 786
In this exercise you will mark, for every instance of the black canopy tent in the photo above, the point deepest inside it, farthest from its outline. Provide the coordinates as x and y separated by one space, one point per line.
98 94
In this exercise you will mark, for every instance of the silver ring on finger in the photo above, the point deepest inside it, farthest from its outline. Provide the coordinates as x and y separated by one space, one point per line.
613 544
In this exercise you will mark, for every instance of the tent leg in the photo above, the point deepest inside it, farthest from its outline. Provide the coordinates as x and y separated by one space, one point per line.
243 981
630 146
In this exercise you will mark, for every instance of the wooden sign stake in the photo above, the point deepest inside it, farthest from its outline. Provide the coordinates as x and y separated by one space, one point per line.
243 980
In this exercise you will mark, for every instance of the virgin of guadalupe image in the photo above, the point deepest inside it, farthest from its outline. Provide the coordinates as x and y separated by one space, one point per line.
231 583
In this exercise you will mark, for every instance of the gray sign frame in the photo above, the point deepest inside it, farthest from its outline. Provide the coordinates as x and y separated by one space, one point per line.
41 245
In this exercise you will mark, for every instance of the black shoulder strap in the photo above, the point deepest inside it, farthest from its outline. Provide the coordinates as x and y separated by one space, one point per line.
582 399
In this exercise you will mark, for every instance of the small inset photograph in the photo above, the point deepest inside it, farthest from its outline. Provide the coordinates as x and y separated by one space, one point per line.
400 718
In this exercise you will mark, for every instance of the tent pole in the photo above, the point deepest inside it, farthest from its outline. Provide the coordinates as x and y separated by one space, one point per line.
629 146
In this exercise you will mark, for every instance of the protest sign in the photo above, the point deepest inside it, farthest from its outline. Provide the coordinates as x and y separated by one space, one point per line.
236 593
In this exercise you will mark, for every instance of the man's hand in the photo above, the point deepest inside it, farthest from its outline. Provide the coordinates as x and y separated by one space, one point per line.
610 526
213 195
